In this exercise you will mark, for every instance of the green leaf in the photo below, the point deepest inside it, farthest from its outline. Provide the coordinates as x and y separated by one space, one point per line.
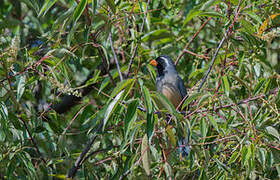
145 154
203 129
210 14
197 73
191 98
214 123
9 23
111 4
259 85
257 69
150 113
226 86
222 165
166 103
94 79
147 98
270 160
130 116
206 97
243 155
156 35
267 86
47 5
262 155
168 170
121 86
70 35
240 81
233 157
254 16
112 106
21 87
79 10
3 111
171 135
193 13
208 4
271 130
248 26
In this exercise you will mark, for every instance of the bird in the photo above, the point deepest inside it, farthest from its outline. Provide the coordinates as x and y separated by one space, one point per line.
171 85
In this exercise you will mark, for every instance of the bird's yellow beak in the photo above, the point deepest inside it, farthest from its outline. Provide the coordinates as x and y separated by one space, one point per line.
153 62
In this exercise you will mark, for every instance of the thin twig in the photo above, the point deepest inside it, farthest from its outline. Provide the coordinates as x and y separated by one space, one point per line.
135 164
115 57
136 47
33 141
226 36
187 45
72 172
71 122
197 55
233 104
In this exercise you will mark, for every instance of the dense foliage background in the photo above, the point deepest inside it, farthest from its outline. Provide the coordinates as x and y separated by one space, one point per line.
66 111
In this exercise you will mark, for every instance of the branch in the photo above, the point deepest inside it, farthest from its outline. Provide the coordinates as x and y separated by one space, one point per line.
226 36
187 45
33 141
73 171
115 57
136 47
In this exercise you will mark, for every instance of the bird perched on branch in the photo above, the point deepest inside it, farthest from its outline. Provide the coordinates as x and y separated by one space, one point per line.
170 84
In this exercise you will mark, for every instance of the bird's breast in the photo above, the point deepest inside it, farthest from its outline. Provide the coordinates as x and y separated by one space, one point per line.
172 94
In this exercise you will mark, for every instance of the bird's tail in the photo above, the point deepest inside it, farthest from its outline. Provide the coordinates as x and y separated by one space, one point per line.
184 145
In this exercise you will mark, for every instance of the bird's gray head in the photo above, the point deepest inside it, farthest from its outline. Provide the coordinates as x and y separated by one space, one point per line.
164 64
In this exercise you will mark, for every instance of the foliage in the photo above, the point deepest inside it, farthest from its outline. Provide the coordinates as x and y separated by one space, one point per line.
52 49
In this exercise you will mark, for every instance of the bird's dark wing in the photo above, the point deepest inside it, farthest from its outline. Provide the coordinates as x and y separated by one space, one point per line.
182 87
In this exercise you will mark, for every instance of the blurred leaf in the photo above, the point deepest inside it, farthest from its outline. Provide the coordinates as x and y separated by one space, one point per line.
156 35
145 154
9 23
47 5
193 13
94 79
213 122
3 111
210 14
208 4
79 10
167 170
247 25
267 86
111 4
203 99
259 86
21 87
203 128
191 98
243 155
225 83
240 81
233 157
143 6
171 135
257 69
222 165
